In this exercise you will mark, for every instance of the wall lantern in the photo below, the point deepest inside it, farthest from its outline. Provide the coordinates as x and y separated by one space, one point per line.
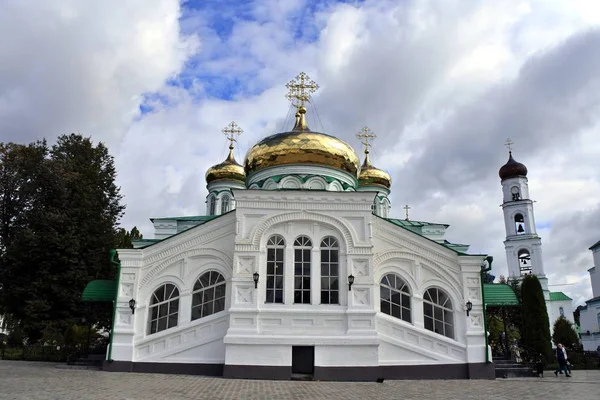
469 307
350 281
255 276
132 305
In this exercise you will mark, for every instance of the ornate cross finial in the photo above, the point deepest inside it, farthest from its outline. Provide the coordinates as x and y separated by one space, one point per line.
364 136
300 88
406 208
231 131
508 144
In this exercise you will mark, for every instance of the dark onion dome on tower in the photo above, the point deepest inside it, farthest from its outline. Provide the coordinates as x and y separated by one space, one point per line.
301 146
227 170
512 168
371 176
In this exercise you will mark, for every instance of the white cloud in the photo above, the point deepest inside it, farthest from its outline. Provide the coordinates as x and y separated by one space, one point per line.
441 83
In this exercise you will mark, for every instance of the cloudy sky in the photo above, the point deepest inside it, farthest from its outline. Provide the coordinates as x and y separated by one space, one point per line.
442 83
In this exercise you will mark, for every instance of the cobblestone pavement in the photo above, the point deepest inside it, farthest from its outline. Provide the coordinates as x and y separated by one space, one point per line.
33 381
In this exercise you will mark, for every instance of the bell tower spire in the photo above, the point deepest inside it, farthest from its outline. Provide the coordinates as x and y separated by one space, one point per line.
523 245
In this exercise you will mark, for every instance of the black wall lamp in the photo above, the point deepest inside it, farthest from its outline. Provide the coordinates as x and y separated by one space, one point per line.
469 307
255 276
350 281
132 305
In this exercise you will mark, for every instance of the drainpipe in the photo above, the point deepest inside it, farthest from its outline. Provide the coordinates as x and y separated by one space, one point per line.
117 264
489 259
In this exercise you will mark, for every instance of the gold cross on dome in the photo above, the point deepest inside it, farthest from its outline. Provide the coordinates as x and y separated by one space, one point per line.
231 131
364 136
300 89
508 144
406 208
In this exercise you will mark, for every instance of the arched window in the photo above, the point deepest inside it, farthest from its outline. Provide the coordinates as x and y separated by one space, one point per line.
302 248
275 250
212 205
524 261
395 297
519 224
561 311
330 279
164 308
224 204
437 312
208 296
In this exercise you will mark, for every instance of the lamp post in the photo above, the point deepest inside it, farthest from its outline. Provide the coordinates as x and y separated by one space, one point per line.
255 276
469 307
132 305
350 281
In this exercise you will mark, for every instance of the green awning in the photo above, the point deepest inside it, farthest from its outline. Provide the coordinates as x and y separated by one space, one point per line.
100 290
499 294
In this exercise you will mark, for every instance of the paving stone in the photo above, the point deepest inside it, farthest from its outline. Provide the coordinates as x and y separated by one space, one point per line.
42 381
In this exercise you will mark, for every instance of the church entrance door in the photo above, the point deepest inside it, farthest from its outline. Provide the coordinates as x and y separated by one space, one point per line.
303 360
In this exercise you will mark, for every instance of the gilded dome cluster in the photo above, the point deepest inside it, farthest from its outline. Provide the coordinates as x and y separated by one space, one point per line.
300 146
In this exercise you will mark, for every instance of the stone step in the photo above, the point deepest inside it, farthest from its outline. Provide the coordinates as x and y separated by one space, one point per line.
302 377
520 372
80 367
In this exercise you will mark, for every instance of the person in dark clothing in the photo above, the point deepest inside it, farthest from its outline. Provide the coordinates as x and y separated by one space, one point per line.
562 361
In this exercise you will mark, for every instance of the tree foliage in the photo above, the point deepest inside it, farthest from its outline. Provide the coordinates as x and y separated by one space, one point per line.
535 330
125 237
60 208
564 333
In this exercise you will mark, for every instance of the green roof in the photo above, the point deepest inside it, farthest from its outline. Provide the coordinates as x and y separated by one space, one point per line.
597 244
499 294
559 296
201 218
406 223
100 290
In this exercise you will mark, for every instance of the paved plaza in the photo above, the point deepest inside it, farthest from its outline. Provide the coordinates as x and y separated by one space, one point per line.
32 381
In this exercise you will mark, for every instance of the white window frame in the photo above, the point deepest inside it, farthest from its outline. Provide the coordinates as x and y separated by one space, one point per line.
303 249
276 278
328 279
209 299
171 301
395 297
446 322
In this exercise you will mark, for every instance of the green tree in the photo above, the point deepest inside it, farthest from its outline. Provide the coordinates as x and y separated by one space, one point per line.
535 331
565 334
125 238
65 237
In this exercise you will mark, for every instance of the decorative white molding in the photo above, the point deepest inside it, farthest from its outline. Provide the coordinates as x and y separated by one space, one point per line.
225 258
384 257
347 231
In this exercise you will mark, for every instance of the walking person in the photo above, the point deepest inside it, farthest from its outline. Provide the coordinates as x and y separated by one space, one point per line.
567 363
562 361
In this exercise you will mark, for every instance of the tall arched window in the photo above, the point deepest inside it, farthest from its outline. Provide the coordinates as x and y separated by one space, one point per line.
212 205
208 296
395 297
224 204
330 274
437 312
164 308
275 264
524 261
519 224
302 248
561 311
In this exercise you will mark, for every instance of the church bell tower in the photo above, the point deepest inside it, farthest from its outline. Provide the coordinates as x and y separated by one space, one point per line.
523 245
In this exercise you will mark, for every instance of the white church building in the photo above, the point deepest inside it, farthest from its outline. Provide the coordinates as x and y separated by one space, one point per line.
298 268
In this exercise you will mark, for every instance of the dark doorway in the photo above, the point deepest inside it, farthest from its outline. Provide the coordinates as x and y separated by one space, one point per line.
303 360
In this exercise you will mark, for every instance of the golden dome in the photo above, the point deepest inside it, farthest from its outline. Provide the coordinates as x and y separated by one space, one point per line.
301 146
371 176
227 170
